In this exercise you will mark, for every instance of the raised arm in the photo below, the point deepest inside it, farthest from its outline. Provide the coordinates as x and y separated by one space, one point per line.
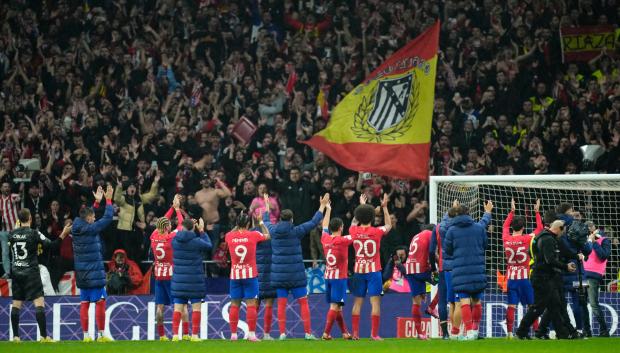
203 241
326 218
386 213
508 220
486 218
103 222
539 222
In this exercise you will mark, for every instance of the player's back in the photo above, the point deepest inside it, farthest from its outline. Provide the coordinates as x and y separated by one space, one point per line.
367 244
336 250
242 248
161 245
418 259
516 250
24 244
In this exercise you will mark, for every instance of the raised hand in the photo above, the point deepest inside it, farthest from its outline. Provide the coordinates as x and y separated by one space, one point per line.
201 225
537 206
176 202
513 205
455 203
109 193
324 200
488 206
363 199
98 194
385 201
267 203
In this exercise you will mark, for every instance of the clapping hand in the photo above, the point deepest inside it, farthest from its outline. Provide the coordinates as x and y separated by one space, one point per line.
109 193
267 203
363 199
537 206
488 206
385 201
98 194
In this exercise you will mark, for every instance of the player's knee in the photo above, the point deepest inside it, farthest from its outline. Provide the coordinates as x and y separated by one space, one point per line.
39 309
159 316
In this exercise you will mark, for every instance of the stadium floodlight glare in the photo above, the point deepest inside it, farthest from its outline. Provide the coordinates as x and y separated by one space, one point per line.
595 196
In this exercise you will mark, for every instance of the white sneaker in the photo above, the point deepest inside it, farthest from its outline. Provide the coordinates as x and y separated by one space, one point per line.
310 337
267 337
282 336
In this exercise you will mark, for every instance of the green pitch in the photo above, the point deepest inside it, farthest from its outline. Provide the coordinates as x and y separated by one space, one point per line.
300 346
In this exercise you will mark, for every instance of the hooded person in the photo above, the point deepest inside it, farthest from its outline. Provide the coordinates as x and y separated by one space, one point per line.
124 275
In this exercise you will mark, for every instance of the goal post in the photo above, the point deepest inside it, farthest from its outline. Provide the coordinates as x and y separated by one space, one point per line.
595 196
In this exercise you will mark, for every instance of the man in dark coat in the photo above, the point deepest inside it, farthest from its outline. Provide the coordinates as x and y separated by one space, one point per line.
288 273
266 293
466 242
188 279
299 195
88 257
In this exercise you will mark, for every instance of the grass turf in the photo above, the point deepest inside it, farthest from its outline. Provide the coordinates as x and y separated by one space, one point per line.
301 346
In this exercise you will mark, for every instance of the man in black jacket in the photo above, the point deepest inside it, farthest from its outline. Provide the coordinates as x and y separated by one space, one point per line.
547 281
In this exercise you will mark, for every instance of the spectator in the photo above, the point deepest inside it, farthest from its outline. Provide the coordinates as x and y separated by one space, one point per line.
209 199
131 217
124 275
8 210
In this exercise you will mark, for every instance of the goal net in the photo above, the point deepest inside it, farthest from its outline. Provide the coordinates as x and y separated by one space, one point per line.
595 196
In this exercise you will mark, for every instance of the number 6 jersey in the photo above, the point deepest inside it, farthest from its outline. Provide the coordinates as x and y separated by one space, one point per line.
367 244
336 250
242 248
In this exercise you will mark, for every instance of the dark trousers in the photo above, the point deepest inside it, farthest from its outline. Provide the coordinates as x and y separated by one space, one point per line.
547 296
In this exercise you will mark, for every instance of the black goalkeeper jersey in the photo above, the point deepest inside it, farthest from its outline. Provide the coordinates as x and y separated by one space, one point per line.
24 245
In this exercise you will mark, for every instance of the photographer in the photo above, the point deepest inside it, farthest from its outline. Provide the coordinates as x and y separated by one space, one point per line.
594 268
123 275
394 270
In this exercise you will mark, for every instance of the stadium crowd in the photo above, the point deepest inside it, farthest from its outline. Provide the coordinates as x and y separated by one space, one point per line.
145 95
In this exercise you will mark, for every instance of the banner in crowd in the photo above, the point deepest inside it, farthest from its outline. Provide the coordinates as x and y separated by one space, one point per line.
133 317
585 43
383 126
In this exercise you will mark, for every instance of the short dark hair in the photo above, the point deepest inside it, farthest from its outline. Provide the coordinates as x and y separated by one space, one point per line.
549 216
188 224
85 212
365 214
564 207
244 219
453 212
23 215
335 224
518 223
429 226
286 215
461 210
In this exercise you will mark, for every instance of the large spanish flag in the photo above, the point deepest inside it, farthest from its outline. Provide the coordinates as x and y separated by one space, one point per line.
383 126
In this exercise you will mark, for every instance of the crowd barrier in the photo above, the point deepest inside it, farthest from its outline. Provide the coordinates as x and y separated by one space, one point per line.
133 317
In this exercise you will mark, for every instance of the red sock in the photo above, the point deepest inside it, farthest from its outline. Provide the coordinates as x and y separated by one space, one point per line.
267 318
84 315
340 321
331 317
185 327
176 321
510 318
355 324
476 316
374 326
233 318
160 330
455 330
535 325
100 314
195 322
251 317
434 302
282 315
417 317
305 314
466 314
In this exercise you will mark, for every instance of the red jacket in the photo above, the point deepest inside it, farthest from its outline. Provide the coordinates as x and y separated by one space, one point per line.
135 275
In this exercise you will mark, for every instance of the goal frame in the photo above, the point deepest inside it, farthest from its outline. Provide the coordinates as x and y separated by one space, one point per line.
434 182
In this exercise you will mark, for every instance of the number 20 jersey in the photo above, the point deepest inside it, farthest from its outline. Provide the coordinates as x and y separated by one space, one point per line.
367 244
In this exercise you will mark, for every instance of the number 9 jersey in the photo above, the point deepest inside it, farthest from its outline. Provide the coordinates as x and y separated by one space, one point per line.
242 249
367 244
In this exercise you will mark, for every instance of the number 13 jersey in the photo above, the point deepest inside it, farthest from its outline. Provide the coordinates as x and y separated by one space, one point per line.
367 244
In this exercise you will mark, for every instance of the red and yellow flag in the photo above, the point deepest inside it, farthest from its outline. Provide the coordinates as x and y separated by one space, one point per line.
383 126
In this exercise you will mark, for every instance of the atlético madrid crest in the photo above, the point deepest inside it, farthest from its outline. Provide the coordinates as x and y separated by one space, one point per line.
387 112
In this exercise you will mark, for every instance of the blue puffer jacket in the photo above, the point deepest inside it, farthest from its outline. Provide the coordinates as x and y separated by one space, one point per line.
188 276
263 264
88 258
466 242
569 252
287 267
